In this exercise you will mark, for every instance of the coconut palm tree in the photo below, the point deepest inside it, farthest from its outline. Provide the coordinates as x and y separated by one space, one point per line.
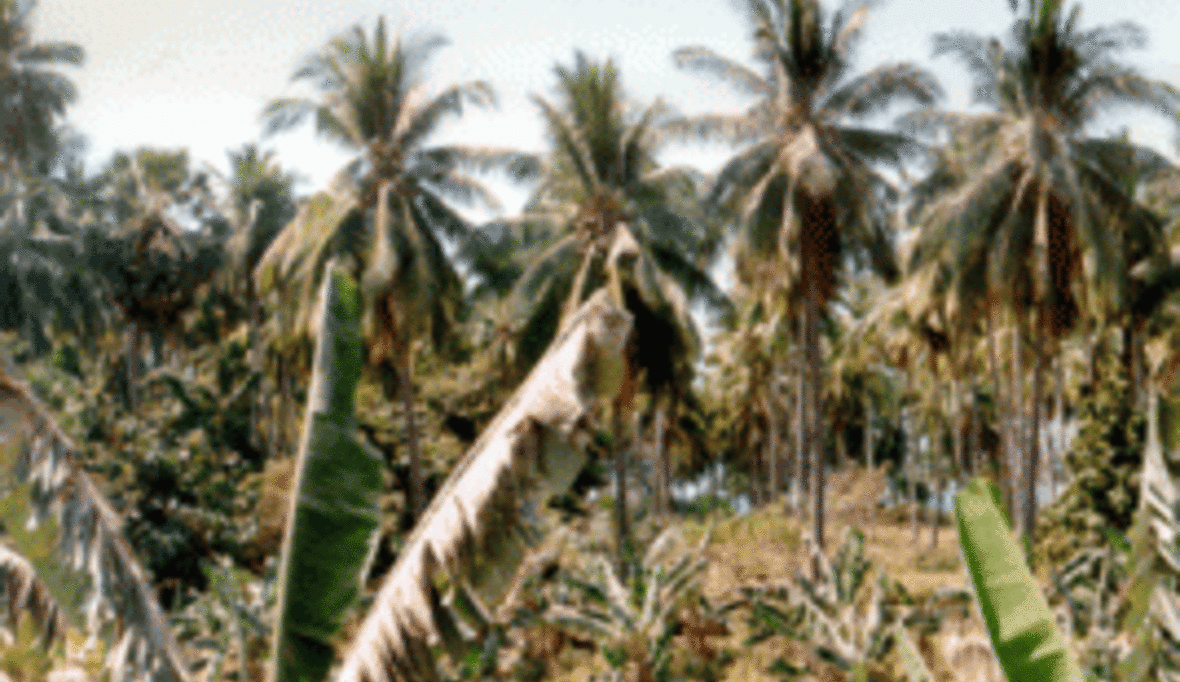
33 100
1042 198
152 266
804 183
609 212
387 212
35 93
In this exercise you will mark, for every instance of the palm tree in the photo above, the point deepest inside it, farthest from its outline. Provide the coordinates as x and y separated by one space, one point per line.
152 266
1043 198
33 100
258 205
609 211
35 94
804 184
387 212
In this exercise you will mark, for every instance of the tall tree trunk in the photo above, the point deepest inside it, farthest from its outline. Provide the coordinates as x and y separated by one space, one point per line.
623 403
940 485
870 417
417 497
974 427
910 466
841 450
1002 416
1034 455
662 461
1058 452
774 430
787 466
956 428
815 432
622 527
1018 425
801 483
756 471
771 445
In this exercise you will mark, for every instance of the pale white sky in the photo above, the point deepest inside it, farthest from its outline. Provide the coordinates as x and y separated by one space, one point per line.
196 73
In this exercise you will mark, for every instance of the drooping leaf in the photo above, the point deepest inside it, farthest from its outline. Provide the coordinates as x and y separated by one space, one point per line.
476 530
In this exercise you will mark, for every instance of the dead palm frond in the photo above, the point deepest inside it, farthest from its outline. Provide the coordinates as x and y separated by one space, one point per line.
476 530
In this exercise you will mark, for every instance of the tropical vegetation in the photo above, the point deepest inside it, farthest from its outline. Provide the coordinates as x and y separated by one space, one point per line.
250 434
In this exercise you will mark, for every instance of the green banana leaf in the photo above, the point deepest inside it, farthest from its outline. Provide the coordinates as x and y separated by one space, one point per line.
1023 630
334 502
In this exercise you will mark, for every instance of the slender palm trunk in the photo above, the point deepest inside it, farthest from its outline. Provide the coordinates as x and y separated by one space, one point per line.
1018 417
974 428
1002 417
772 436
1058 453
870 417
787 465
622 527
956 428
1034 454
756 471
910 466
417 497
940 487
815 431
801 484
662 462
841 450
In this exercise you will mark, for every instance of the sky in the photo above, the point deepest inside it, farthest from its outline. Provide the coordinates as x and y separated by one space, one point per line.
197 73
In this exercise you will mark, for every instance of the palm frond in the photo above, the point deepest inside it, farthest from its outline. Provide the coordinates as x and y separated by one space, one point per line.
570 146
881 88
704 60
734 129
284 114
518 165
425 120
51 53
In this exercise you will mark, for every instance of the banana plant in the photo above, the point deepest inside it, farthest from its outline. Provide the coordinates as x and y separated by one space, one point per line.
845 616
636 621
1026 640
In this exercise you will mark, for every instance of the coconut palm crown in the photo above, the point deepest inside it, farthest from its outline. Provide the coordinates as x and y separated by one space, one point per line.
803 186
602 187
387 212
1048 222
